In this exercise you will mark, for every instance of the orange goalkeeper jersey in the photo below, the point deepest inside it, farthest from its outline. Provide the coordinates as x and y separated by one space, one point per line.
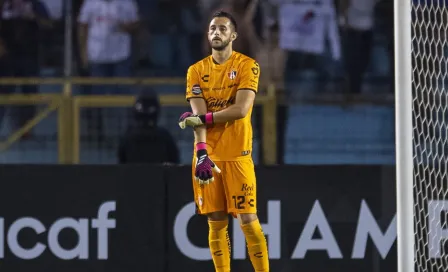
218 85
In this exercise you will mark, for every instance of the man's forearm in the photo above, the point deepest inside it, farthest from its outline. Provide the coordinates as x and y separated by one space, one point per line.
199 107
232 113
229 114
200 134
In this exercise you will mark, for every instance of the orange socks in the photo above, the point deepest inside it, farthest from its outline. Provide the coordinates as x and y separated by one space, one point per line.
219 242
257 246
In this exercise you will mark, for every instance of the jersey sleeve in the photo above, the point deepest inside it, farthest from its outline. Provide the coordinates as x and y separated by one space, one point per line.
250 76
193 87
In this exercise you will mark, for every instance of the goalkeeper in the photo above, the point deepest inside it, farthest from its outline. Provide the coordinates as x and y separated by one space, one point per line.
221 90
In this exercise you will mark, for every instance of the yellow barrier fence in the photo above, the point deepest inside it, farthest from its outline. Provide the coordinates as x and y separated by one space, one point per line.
69 107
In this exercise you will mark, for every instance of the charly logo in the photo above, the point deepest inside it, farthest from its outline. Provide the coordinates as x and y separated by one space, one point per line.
205 78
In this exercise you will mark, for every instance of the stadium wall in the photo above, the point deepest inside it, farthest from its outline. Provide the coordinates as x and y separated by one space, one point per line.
141 218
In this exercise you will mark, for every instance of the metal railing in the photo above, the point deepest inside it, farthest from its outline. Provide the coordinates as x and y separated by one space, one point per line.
68 108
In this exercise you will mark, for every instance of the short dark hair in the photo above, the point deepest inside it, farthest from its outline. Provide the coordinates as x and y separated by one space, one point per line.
227 15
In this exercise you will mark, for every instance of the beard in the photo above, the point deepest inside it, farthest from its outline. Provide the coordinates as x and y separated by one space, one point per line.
220 45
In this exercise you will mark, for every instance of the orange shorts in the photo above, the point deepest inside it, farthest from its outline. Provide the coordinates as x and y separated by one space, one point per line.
233 190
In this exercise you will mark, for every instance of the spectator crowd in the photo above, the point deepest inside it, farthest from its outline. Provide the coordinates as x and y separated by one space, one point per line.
335 45
124 37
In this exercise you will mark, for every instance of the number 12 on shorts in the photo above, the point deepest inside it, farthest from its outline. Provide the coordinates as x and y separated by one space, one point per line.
239 202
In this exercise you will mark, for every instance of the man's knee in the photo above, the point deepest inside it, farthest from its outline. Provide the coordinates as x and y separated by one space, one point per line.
217 216
246 218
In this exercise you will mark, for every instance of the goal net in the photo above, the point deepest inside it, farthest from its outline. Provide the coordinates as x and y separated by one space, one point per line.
429 33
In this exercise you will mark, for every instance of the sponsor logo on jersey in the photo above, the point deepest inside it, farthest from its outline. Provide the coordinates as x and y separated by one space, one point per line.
196 90
218 103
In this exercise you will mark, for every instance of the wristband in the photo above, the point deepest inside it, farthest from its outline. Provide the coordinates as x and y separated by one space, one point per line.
207 118
201 146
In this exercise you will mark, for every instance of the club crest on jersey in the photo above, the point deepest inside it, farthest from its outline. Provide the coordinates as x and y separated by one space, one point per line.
232 74
196 89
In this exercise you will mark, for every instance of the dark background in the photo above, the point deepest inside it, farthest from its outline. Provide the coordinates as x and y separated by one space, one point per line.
148 199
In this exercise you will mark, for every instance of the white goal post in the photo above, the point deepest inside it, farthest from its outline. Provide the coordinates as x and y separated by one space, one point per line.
421 101
403 135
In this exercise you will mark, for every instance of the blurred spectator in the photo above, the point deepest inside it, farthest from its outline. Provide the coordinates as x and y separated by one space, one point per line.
105 29
52 52
206 7
385 11
20 24
76 10
170 21
272 59
358 20
145 142
183 21
306 28
104 34
193 29
54 7
248 15
270 11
